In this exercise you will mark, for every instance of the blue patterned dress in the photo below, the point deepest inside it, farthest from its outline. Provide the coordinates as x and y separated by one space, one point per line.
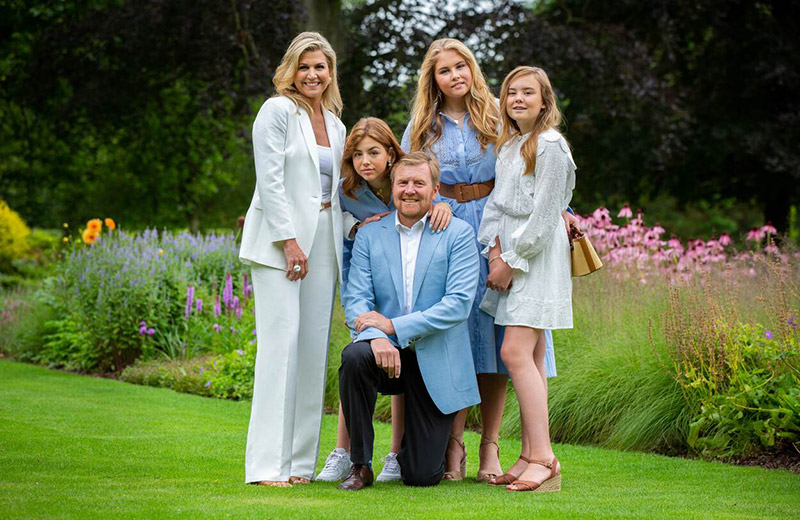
461 159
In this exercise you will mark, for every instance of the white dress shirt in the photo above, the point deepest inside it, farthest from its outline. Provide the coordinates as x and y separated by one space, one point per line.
410 239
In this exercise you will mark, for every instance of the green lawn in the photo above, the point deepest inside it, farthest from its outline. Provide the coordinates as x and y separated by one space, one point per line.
73 446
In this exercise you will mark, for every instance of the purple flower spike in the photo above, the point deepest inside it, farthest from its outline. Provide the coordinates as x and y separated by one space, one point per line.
216 327
208 383
199 305
227 292
768 334
151 331
217 308
189 301
143 323
254 332
240 352
143 330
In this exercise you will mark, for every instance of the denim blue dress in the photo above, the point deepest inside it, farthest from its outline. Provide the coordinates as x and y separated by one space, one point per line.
461 159
365 205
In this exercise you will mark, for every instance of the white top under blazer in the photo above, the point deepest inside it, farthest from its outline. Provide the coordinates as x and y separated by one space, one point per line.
286 202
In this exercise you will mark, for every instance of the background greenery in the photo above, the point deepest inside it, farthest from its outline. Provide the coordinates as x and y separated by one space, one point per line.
143 109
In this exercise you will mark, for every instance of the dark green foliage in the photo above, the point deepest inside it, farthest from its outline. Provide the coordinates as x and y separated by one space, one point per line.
134 109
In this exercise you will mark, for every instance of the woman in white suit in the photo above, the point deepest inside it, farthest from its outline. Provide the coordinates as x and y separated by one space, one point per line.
292 240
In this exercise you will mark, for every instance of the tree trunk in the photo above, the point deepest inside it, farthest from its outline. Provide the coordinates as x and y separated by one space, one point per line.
325 17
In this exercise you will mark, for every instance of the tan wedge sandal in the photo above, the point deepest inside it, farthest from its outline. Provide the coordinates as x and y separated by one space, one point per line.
483 474
550 484
508 477
461 474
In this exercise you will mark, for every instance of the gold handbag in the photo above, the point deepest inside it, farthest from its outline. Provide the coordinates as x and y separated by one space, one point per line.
585 259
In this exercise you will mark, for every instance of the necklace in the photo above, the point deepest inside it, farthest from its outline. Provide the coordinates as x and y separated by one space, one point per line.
382 193
455 118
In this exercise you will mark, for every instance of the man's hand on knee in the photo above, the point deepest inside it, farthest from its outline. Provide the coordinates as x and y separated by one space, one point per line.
374 319
386 356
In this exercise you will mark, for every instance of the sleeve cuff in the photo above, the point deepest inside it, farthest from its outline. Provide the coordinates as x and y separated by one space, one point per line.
515 261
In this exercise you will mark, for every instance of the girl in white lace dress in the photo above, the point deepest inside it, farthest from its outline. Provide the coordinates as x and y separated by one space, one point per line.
529 259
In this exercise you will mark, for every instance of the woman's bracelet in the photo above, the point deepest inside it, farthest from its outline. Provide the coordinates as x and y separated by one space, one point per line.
492 259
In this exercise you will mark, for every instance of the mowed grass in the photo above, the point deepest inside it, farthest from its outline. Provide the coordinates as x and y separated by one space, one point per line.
74 446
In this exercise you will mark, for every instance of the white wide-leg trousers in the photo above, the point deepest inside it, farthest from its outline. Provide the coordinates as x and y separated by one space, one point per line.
293 321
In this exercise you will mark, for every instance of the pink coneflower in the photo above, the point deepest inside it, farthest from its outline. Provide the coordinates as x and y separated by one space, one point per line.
725 240
625 212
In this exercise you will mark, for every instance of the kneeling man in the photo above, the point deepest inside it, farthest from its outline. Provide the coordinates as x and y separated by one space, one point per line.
408 295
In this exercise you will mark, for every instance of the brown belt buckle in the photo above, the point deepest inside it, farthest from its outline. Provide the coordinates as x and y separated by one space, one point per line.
465 192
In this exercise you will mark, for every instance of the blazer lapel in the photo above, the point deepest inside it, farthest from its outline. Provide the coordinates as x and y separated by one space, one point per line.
308 136
427 246
391 248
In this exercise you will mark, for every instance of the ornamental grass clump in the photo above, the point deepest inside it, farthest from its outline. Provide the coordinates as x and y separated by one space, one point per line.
740 380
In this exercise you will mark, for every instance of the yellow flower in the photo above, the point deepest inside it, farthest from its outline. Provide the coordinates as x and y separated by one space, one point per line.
65 240
90 236
95 225
66 225
110 224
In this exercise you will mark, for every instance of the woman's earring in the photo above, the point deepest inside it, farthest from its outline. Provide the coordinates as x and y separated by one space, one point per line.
388 164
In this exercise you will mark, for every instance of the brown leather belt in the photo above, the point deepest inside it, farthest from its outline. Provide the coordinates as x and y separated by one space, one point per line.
324 205
464 192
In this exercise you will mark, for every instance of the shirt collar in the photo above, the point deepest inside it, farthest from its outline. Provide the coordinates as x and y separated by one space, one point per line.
416 227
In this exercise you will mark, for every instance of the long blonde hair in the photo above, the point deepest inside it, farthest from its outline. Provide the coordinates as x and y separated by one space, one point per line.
284 74
549 116
426 126
367 127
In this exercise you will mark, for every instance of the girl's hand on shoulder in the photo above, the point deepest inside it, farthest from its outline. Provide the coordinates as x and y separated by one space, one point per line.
374 218
441 214
500 274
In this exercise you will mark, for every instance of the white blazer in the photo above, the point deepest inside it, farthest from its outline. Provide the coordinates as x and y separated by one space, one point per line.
288 193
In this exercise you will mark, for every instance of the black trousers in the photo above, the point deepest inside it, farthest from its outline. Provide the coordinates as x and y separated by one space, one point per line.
427 430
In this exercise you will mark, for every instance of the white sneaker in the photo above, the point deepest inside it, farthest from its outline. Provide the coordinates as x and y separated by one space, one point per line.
391 469
337 466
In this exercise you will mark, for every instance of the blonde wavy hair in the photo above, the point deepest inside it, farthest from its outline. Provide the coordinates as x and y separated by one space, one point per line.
549 117
367 127
285 73
426 126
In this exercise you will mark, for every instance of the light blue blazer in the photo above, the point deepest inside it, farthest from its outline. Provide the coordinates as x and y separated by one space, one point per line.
445 283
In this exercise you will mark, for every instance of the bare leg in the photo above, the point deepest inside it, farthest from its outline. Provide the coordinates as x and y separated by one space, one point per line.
521 349
342 437
398 422
454 453
492 388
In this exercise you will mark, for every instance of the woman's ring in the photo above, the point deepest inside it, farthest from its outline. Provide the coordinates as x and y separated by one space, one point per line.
297 269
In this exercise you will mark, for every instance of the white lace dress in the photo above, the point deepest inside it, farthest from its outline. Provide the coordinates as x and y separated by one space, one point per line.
524 212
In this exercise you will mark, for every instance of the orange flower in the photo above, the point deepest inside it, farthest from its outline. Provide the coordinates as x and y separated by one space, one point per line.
95 225
90 236
110 224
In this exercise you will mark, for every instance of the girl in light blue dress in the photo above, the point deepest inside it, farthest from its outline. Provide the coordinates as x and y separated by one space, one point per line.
455 117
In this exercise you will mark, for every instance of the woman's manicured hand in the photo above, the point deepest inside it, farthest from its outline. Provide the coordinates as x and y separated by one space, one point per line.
294 256
441 213
500 274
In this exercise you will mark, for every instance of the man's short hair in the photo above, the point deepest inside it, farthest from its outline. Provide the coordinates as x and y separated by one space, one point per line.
415 159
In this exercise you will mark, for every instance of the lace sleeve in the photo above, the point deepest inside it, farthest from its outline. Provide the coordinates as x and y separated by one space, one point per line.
554 171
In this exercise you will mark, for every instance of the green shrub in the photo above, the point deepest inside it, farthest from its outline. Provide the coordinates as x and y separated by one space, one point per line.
126 296
13 237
